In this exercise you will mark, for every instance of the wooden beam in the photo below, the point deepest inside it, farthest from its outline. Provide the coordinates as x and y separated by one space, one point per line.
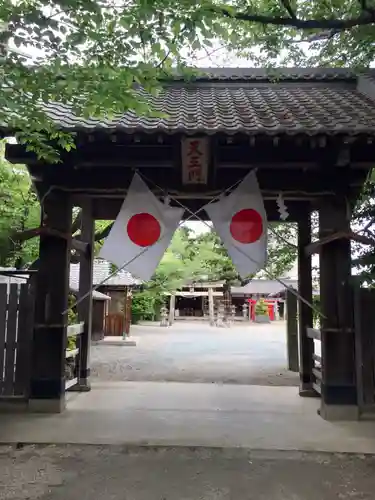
117 180
26 235
97 155
76 244
314 334
339 235
108 209
290 151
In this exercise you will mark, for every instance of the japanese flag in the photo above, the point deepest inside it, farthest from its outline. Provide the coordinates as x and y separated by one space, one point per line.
241 222
142 231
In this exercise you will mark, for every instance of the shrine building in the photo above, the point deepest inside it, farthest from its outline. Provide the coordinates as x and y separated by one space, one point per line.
310 135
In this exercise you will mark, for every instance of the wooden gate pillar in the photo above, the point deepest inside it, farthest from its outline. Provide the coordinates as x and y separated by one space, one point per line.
47 384
305 316
339 393
85 290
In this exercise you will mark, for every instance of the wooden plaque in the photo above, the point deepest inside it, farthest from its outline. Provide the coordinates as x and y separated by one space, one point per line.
195 157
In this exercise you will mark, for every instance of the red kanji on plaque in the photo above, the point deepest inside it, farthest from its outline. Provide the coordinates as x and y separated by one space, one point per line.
194 160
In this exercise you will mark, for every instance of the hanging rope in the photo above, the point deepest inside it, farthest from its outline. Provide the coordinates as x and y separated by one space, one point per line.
192 215
267 272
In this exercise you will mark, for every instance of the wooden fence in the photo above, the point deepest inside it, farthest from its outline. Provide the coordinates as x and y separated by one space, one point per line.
315 334
16 329
16 324
73 356
364 335
364 321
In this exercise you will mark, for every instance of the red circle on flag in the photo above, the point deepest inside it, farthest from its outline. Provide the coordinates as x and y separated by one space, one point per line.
143 229
246 226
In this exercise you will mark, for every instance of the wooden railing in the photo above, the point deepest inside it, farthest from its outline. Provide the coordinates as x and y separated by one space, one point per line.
315 334
73 354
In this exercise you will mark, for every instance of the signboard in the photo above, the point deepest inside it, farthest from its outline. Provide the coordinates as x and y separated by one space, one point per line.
195 159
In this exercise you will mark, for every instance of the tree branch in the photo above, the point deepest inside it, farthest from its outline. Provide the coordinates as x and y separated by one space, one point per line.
104 233
76 224
288 8
365 18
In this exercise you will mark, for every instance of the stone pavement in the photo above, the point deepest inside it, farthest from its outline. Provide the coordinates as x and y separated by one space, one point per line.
142 440
176 441
119 473
195 352
177 414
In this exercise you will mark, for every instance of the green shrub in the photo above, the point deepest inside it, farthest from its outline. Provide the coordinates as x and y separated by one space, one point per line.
72 319
316 316
145 306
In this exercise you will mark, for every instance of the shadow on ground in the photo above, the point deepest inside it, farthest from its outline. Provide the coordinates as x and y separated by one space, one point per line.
111 473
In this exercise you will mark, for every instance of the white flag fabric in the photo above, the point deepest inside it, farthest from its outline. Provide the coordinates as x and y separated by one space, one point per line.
145 225
241 222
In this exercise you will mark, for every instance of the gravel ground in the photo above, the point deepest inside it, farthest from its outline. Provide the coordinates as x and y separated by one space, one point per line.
190 352
118 473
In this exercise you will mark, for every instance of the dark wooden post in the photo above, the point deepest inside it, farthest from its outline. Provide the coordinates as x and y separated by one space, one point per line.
47 385
85 290
292 331
305 316
339 393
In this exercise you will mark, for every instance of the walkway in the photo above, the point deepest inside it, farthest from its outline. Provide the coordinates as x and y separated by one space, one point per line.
175 414
195 352
116 473
149 440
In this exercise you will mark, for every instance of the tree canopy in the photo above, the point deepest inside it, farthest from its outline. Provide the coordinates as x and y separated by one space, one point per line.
95 54
91 54
19 211
364 220
313 32
202 258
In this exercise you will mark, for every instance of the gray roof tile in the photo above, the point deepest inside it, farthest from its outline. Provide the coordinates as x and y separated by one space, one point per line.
102 269
233 101
267 74
263 286
73 281
74 287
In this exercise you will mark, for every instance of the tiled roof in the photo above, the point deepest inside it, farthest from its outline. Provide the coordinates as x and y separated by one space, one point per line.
263 287
74 287
249 101
73 282
267 74
102 269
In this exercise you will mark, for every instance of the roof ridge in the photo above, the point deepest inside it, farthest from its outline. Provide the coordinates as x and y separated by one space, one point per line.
269 74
